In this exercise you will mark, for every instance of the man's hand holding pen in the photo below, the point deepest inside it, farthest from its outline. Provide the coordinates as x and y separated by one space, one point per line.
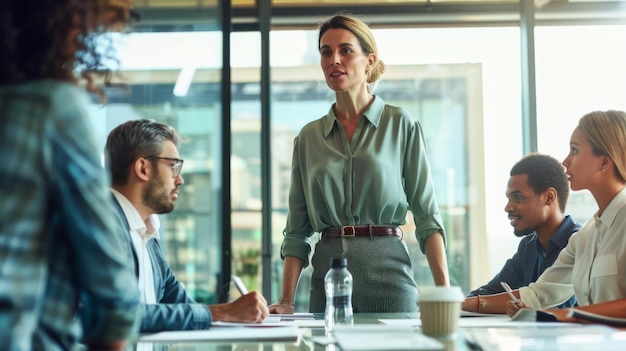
249 308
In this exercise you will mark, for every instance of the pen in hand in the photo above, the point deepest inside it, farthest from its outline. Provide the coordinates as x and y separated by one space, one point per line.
239 285
509 292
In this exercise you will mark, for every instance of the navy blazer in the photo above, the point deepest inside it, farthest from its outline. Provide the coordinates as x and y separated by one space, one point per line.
175 310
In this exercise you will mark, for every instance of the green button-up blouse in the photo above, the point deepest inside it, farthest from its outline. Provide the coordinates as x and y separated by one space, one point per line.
374 179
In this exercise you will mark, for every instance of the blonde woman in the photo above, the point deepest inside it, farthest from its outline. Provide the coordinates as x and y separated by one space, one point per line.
355 174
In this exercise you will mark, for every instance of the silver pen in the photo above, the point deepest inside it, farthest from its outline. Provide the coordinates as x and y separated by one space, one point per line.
239 285
509 292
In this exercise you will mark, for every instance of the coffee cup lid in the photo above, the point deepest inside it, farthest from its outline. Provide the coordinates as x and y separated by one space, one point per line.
440 293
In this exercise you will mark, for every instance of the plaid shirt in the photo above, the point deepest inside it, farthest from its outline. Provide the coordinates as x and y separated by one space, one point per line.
60 244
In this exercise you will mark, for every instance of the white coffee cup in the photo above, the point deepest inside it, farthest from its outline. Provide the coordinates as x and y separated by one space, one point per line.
440 309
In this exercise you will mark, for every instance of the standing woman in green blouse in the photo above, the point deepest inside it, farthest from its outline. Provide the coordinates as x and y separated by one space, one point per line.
355 173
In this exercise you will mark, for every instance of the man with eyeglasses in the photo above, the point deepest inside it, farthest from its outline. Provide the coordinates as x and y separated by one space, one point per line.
145 170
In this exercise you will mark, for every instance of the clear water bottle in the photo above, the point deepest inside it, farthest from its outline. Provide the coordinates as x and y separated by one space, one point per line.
338 283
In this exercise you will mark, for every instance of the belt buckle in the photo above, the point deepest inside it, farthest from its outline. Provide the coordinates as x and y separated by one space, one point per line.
344 233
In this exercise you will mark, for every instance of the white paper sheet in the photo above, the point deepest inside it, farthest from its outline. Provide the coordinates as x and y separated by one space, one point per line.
381 337
493 321
259 333
478 314
293 316
303 323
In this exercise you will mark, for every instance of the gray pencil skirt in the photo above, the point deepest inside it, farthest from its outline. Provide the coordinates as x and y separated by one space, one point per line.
381 271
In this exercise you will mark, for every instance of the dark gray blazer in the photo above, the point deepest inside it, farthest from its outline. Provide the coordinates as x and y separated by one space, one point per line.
175 309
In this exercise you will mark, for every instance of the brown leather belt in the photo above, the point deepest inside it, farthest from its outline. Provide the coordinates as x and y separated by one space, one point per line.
361 230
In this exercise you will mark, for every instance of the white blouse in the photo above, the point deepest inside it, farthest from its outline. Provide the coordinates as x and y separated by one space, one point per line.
592 265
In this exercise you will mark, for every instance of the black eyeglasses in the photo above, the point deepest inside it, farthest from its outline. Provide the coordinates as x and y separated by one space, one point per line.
176 167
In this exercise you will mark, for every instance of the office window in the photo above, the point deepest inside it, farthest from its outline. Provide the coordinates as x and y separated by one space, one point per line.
173 77
579 69
246 160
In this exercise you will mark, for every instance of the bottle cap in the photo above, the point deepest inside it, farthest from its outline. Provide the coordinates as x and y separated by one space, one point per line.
338 262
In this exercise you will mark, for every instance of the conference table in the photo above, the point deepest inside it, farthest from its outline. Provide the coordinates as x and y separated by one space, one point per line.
392 331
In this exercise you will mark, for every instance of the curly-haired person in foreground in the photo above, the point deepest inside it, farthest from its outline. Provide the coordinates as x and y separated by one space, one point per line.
60 246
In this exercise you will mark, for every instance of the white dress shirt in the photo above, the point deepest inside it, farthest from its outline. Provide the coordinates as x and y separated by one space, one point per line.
592 265
141 232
